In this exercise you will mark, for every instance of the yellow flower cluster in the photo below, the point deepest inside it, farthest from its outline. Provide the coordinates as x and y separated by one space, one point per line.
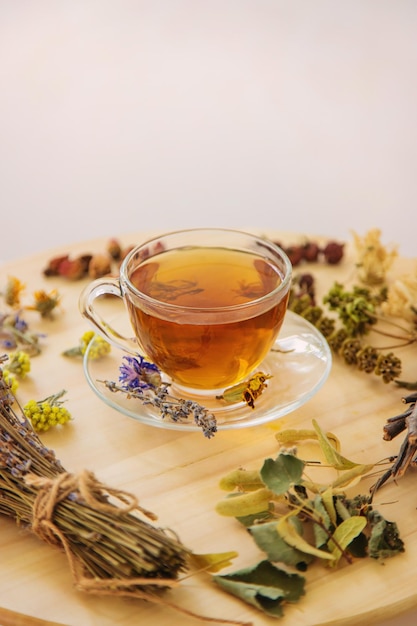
44 415
13 290
19 363
10 380
99 346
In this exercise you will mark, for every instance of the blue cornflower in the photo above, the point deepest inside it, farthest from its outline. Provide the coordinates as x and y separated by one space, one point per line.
136 373
20 324
7 341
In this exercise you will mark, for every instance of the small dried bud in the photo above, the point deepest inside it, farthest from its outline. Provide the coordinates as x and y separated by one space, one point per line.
114 249
72 269
295 254
99 266
333 252
306 282
52 269
311 252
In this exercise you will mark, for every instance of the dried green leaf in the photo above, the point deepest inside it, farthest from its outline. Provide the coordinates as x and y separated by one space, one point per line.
256 518
344 534
352 476
213 562
294 539
283 473
276 548
239 505
342 509
321 537
244 480
263 586
384 541
328 501
291 436
333 457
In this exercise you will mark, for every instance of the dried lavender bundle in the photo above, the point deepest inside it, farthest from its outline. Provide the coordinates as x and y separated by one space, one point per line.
110 548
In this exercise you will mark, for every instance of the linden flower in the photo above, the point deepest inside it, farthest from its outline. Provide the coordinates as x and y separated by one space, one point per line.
13 289
373 259
248 391
402 298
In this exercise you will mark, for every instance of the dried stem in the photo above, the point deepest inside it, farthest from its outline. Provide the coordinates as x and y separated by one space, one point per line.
408 450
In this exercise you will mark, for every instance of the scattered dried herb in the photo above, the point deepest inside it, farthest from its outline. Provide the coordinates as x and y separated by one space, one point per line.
373 258
141 380
47 413
296 521
97 346
15 333
88 265
311 252
358 314
247 391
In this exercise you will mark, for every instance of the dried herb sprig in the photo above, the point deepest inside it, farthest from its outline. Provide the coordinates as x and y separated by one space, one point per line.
357 312
407 455
110 549
15 334
279 501
141 379
107 546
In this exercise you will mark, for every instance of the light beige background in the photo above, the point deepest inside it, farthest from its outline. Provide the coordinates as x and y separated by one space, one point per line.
123 115
293 114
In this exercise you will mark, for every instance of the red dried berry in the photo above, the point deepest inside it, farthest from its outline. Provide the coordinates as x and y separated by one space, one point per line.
114 249
311 251
295 254
333 252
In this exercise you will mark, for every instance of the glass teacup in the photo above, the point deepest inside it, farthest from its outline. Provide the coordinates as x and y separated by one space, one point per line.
206 305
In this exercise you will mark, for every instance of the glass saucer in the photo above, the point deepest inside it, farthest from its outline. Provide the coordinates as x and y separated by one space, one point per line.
299 364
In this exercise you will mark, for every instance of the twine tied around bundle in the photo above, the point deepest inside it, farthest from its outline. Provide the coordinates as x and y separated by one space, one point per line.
86 489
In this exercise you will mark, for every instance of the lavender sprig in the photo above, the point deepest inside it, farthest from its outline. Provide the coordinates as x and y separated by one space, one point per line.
142 380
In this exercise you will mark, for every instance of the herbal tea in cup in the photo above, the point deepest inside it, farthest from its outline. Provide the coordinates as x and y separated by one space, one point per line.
206 305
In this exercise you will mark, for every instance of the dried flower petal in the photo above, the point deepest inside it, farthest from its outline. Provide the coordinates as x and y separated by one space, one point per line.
13 290
99 266
45 302
247 391
402 298
373 259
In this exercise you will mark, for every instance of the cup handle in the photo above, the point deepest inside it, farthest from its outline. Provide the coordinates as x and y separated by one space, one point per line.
104 287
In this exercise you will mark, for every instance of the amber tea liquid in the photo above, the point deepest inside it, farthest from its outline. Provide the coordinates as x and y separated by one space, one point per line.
197 342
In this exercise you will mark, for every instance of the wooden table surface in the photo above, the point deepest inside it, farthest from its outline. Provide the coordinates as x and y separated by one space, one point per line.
175 474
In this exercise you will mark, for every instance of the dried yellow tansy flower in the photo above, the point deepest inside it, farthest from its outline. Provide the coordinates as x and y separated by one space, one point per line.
13 290
373 259
402 298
